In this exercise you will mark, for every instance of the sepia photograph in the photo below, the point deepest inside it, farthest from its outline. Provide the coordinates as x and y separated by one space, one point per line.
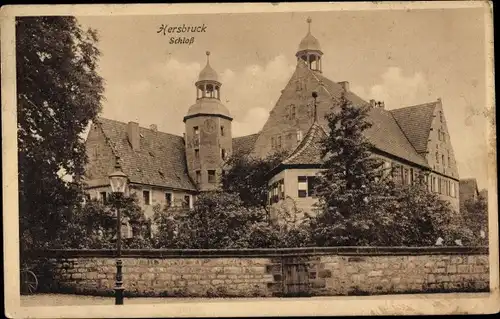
245 160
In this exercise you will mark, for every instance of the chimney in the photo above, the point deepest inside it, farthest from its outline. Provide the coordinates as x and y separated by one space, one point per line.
381 104
153 127
345 85
372 103
133 135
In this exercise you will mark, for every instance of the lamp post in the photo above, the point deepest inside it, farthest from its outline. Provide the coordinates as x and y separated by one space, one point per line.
118 181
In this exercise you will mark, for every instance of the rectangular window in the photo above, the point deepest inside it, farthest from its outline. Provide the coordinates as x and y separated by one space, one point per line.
449 161
436 189
273 143
302 186
312 181
404 176
168 199
412 176
439 135
442 160
222 130
146 197
186 201
453 189
279 142
223 154
196 131
211 176
282 188
198 177
275 193
437 157
103 197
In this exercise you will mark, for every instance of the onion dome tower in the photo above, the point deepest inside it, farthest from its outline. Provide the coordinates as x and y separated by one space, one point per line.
309 50
208 131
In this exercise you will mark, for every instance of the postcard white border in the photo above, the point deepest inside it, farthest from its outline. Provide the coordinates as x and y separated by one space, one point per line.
394 304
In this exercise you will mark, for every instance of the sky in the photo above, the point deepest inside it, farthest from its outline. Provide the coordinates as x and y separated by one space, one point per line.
402 57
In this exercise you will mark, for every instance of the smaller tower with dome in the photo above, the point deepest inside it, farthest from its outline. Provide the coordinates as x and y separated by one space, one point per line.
310 51
208 135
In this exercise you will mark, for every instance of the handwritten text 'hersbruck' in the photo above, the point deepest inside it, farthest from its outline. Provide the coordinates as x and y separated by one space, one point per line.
165 28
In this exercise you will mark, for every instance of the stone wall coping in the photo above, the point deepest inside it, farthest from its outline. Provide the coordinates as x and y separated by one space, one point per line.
260 252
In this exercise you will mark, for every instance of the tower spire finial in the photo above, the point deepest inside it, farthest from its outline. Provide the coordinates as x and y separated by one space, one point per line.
208 56
309 20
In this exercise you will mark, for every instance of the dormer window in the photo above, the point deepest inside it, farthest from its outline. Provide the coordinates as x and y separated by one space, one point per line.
292 112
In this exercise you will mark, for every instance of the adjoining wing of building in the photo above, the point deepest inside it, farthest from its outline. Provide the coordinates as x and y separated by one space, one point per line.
170 169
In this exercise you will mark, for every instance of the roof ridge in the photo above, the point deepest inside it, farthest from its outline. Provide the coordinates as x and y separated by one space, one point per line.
140 127
416 105
245 135
106 137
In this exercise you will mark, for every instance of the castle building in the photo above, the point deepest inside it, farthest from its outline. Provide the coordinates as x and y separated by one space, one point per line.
170 169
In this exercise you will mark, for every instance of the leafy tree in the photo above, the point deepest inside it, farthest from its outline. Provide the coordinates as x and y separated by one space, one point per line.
348 178
168 221
93 225
58 93
410 215
247 176
475 216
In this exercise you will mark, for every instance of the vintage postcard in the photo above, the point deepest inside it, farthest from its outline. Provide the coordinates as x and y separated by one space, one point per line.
283 159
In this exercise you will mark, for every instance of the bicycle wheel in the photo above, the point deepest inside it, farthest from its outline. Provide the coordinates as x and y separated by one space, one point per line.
29 282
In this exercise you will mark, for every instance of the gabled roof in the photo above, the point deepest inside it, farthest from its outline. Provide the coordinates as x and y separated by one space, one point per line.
160 161
309 149
243 145
416 121
385 133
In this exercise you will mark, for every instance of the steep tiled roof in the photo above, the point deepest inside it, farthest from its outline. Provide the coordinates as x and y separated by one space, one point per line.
160 160
309 149
385 133
335 90
415 121
244 144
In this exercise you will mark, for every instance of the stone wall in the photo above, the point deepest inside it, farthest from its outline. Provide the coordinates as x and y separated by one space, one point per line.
266 272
